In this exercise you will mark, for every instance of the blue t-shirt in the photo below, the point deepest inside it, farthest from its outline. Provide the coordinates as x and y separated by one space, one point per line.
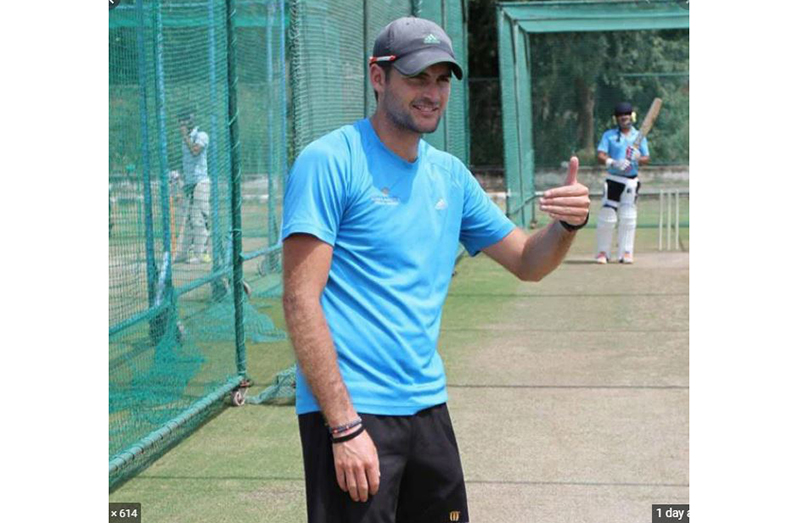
395 228
614 143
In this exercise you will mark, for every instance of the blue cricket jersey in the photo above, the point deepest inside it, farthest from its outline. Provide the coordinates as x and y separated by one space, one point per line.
614 143
395 228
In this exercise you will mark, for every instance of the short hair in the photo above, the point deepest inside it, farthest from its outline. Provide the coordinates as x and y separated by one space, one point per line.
387 68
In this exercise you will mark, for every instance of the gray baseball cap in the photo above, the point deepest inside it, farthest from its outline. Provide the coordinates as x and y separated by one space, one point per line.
413 44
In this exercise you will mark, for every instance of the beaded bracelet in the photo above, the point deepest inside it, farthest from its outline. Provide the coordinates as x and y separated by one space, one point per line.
345 427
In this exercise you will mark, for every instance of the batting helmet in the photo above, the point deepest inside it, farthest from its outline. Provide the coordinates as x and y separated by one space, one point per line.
623 108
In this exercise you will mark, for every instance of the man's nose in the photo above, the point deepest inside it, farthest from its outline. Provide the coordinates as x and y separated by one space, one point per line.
432 92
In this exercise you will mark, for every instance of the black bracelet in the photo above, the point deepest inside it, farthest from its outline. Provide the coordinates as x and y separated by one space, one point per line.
345 426
355 434
572 228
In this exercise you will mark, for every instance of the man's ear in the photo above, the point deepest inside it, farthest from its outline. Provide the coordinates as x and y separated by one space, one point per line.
377 77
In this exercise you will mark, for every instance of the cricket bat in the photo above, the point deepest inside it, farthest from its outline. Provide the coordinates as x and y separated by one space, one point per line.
648 122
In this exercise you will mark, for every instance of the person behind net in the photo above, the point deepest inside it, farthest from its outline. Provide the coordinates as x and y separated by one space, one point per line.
194 218
619 203
372 219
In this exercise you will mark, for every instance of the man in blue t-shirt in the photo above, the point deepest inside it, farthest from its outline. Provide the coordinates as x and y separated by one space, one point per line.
617 151
372 219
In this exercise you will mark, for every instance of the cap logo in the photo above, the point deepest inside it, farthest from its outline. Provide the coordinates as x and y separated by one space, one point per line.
431 39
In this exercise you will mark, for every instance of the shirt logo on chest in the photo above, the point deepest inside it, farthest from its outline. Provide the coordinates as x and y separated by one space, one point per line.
441 205
385 198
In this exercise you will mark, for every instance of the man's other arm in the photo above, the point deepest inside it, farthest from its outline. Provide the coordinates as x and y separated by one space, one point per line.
306 267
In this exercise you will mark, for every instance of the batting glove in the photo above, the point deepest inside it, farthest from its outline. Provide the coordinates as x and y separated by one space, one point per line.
621 165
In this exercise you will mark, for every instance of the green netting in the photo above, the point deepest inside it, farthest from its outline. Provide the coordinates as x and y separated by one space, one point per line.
452 133
331 89
173 347
518 167
262 101
327 67
378 14
563 67
280 392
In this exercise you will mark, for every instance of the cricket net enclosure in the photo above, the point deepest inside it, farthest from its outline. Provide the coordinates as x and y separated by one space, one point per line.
563 67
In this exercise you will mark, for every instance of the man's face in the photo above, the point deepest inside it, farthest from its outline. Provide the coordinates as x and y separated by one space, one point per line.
624 120
417 102
188 123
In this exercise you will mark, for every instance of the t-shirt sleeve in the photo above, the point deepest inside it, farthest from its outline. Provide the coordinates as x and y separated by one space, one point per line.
644 147
604 143
315 195
483 223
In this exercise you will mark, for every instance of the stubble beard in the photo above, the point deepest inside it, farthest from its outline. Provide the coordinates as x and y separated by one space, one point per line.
402 118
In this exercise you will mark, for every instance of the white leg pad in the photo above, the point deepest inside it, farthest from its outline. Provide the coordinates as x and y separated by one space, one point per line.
627 223
605 226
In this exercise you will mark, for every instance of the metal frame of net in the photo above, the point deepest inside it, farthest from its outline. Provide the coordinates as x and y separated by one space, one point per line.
179 316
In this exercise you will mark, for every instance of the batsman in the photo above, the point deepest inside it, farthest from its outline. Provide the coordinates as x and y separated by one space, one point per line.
622 150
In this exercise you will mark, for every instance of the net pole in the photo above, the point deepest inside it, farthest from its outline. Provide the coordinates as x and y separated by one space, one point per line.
509 122
272 164
145 157
160 115
283 131
164 292
514 36
283 99
213 146
295 72
533 206
235 188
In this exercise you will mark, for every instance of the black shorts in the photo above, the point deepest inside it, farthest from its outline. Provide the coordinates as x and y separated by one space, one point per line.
421 478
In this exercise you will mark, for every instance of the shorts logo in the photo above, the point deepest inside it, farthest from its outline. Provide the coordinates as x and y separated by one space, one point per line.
441 205
454 515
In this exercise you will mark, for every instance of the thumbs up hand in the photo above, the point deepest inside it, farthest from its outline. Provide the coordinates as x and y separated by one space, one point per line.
569 203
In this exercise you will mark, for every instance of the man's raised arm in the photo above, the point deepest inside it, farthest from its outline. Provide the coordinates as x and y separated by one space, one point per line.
531 258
